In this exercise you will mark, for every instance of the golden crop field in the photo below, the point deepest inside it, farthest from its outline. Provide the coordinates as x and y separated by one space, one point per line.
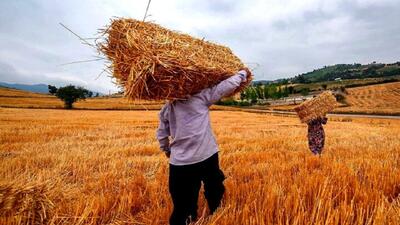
12 98
381 99
10 92
373 99
104 167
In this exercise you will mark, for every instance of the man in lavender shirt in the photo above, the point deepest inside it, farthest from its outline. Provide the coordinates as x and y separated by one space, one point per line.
186 137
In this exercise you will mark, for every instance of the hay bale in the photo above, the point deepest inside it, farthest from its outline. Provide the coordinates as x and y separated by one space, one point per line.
154 63
317 107
24 203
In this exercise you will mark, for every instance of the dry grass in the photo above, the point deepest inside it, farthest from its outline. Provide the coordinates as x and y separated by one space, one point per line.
380 99
153 63
26 203
15 93
104 167
12 98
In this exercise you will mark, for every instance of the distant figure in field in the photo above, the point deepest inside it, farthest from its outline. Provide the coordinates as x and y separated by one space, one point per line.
316 135
185 135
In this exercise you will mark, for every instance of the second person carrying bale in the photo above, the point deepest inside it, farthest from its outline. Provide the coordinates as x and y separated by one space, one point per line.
313 113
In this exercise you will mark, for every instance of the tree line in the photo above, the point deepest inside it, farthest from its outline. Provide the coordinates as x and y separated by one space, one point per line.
271 91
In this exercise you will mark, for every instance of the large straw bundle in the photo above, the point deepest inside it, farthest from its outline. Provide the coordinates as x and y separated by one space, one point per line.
154 63
317 107
24 203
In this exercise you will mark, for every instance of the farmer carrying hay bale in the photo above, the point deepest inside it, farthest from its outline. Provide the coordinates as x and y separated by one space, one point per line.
186 137
154 63
313 112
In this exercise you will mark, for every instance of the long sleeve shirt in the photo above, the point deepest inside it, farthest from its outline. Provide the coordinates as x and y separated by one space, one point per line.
185 128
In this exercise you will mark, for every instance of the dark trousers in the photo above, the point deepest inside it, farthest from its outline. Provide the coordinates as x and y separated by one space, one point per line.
184 186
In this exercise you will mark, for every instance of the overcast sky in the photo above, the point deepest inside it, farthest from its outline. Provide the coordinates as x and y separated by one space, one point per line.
277 38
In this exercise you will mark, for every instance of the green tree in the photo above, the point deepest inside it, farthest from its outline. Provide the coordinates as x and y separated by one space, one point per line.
52 89
266 93
274 91
253 95
260 92
243 95
291 90
305 91
285 81
247 93
70 94
279 93
301 79
285 92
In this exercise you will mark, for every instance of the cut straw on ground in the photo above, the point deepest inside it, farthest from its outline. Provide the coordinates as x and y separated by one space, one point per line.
28 201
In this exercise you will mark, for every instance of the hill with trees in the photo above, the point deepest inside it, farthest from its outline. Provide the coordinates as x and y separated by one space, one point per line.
336 77
348 71
37 88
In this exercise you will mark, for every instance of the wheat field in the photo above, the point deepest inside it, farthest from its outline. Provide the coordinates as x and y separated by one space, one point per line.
373 99
381 99
104 167
12 98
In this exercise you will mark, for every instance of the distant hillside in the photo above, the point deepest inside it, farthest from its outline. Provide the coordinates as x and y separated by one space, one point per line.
348 71
37 88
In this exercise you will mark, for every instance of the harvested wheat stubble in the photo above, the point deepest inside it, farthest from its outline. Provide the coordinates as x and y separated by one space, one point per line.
154 63
24 203
317 107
